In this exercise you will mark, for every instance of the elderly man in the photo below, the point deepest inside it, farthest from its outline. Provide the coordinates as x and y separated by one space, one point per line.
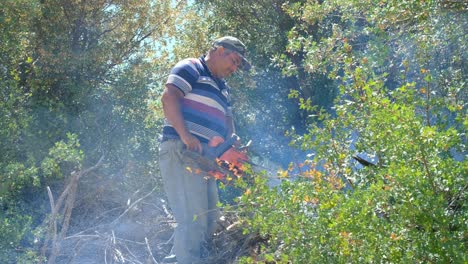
197 108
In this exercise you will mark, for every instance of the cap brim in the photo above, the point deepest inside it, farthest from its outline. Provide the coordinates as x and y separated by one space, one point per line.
245 64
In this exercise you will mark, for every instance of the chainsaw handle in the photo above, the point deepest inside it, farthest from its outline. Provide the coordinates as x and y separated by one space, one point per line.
223 147
216 151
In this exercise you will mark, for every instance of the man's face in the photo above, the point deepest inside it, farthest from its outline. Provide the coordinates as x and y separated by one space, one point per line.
228 64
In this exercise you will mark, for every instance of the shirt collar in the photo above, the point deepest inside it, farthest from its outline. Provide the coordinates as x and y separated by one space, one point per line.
219 81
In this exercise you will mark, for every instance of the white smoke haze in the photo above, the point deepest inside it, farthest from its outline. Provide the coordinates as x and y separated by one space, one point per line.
120 214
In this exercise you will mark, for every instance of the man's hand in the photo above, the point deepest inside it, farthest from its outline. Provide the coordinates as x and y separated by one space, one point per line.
192 143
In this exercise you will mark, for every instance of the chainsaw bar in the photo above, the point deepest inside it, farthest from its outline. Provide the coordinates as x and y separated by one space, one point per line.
198 161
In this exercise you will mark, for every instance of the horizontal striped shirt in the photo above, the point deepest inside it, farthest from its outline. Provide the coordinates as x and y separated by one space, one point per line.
205 106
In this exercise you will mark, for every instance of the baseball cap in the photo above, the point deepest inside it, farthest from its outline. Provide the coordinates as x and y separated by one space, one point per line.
235 45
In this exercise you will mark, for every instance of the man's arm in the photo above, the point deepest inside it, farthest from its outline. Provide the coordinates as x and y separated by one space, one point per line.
171 98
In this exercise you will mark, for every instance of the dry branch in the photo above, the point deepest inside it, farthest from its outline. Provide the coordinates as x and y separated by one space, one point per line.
150 252
67 199
133 204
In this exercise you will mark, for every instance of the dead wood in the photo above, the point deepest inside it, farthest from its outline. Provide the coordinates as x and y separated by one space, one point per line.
139 232
67 199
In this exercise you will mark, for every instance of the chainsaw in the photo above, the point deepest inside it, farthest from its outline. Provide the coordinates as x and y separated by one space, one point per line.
220 157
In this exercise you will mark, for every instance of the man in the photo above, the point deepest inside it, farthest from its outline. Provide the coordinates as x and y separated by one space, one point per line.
197 108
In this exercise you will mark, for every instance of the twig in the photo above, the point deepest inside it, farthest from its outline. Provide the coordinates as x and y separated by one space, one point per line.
457 196
109 211
81 236
105 255
69 204
169 240
94 228
122 258
149 250
135 258
78 175
53 222
130 241
113 237
51 199
155 206
133 204
117 238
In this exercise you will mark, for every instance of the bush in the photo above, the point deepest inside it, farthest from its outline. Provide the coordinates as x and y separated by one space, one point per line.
400 111
405 206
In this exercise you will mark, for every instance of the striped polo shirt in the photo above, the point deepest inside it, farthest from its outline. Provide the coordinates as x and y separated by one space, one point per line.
205 105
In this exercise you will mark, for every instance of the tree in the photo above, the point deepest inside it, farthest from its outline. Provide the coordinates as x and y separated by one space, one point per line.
77 68
14 35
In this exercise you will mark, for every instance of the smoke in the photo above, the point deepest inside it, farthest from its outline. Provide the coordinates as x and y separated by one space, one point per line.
267 116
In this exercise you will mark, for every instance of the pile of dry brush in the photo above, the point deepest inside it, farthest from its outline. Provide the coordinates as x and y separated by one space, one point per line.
139 230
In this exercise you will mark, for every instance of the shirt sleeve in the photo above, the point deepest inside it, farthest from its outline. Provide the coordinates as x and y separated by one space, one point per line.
184 75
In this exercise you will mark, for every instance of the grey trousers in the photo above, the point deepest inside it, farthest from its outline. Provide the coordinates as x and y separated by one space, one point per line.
193 199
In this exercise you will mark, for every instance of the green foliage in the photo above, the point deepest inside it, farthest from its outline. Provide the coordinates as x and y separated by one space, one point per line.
260 24
18 181
408 207
15 177
13 228
14 64
63 154
79 79
398 107
74 81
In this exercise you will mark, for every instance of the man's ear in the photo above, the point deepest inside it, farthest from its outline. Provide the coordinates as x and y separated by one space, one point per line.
220 50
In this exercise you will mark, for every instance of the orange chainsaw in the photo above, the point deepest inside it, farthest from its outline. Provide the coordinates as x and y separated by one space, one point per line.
227 156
